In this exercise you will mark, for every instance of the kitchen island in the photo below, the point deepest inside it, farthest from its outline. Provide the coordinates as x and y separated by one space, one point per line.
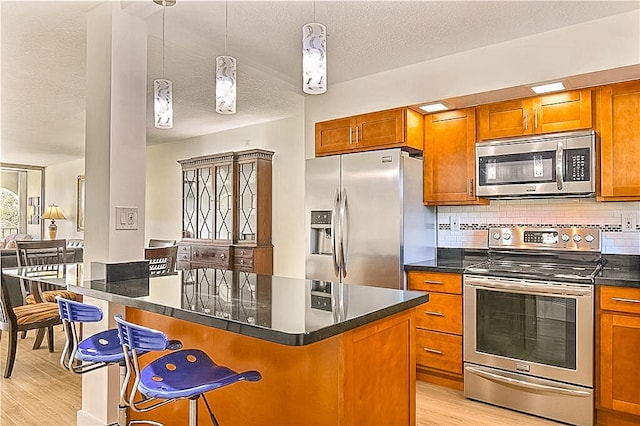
329 353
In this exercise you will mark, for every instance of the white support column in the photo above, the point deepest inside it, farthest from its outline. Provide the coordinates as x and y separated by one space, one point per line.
115 155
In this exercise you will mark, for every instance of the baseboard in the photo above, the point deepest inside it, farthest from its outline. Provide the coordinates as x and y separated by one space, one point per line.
441 378
606 417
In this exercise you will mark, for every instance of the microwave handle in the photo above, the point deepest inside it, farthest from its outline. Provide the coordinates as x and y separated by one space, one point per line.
559 164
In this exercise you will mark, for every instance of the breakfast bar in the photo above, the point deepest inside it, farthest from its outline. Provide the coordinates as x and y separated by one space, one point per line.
328 353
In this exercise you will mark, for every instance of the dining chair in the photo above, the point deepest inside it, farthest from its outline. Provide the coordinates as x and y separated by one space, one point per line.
44 255
17 316
162 260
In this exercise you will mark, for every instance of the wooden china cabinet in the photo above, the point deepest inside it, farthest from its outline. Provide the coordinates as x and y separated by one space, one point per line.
226 212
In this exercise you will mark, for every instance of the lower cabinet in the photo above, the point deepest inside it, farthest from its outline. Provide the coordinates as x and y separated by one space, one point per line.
439 328
618 366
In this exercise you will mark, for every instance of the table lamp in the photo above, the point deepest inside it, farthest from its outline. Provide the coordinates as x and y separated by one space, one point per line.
53 212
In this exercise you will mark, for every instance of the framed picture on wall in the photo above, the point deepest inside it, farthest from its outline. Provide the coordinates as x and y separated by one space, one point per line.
80 204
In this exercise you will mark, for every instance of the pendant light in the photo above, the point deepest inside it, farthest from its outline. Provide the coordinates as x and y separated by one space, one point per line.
314 57
226 75
163 88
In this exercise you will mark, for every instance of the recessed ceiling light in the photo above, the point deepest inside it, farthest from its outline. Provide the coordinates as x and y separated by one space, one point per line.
434 107
546 88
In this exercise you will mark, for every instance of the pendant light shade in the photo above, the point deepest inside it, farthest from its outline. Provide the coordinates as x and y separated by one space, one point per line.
314 58
163 103
163 88
225 85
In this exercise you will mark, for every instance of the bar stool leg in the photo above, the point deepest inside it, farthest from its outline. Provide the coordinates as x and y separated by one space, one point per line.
193 412
122 405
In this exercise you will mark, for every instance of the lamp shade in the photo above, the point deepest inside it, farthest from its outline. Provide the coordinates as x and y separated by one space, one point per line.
53 212
163 103
226 85
314 58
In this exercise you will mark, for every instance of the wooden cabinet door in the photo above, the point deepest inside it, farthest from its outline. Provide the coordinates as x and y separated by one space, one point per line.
619 366
505 119
449 158
558 112
379 129
335 136
619 128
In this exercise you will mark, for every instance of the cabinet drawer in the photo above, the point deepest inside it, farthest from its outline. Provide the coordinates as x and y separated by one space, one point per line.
621 299
214 256
439 350
435 281
443 313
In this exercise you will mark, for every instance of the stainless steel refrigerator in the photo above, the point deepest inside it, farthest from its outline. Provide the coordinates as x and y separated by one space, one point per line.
365 218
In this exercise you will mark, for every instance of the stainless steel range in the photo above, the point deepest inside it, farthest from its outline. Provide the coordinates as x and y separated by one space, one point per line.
529 322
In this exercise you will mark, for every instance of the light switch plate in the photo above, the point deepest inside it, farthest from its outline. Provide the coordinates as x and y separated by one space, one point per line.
126 218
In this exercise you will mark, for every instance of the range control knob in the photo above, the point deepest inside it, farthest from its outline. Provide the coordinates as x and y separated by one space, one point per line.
496 235
589 238
577 238
506 236
565 237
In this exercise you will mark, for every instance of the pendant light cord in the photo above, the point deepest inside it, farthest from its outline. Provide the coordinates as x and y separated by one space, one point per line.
226 24
164 9
314 11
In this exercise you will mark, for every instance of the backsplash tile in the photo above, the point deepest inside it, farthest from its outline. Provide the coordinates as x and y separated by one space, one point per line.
562 212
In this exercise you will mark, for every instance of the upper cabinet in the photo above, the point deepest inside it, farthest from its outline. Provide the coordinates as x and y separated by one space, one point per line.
394 128
618 123
556 112
226 211
449 158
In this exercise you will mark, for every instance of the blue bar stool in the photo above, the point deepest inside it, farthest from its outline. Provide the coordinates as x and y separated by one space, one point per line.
96 351
184 374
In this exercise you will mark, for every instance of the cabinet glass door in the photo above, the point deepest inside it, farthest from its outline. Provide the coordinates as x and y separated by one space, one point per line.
247 201
189 204
205 191
224 202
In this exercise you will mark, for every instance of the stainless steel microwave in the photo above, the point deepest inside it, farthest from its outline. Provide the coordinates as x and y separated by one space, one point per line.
546 165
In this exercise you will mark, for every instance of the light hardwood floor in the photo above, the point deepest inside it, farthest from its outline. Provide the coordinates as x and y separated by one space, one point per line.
41 393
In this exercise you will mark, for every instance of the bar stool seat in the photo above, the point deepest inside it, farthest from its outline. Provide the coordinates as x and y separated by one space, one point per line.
187 373
183 374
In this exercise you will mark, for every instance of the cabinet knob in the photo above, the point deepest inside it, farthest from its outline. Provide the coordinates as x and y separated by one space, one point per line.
222 256
242 252
242 261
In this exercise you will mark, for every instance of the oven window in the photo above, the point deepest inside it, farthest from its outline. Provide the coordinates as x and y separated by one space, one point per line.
539 329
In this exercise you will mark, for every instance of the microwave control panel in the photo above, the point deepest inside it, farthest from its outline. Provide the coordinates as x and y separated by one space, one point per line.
577 165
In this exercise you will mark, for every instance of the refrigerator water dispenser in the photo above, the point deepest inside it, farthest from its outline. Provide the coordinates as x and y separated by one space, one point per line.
321 229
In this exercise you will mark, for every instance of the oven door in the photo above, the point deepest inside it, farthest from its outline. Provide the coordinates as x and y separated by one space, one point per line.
532 328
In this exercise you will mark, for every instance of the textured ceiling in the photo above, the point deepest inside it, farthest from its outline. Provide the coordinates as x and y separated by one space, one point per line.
44 43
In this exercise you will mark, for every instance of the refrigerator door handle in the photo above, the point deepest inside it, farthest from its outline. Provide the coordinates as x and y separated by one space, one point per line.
335 229
344 233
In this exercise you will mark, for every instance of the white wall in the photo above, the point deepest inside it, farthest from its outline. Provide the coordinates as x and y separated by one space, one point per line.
284 137
61 189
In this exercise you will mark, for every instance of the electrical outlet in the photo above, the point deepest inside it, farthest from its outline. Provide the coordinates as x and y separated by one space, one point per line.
454 222
628 222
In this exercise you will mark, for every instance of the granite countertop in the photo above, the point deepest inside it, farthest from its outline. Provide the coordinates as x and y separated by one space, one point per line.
619 270
288 311
449 260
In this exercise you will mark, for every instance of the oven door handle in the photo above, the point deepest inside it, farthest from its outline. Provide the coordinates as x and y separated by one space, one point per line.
530 288
522 384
